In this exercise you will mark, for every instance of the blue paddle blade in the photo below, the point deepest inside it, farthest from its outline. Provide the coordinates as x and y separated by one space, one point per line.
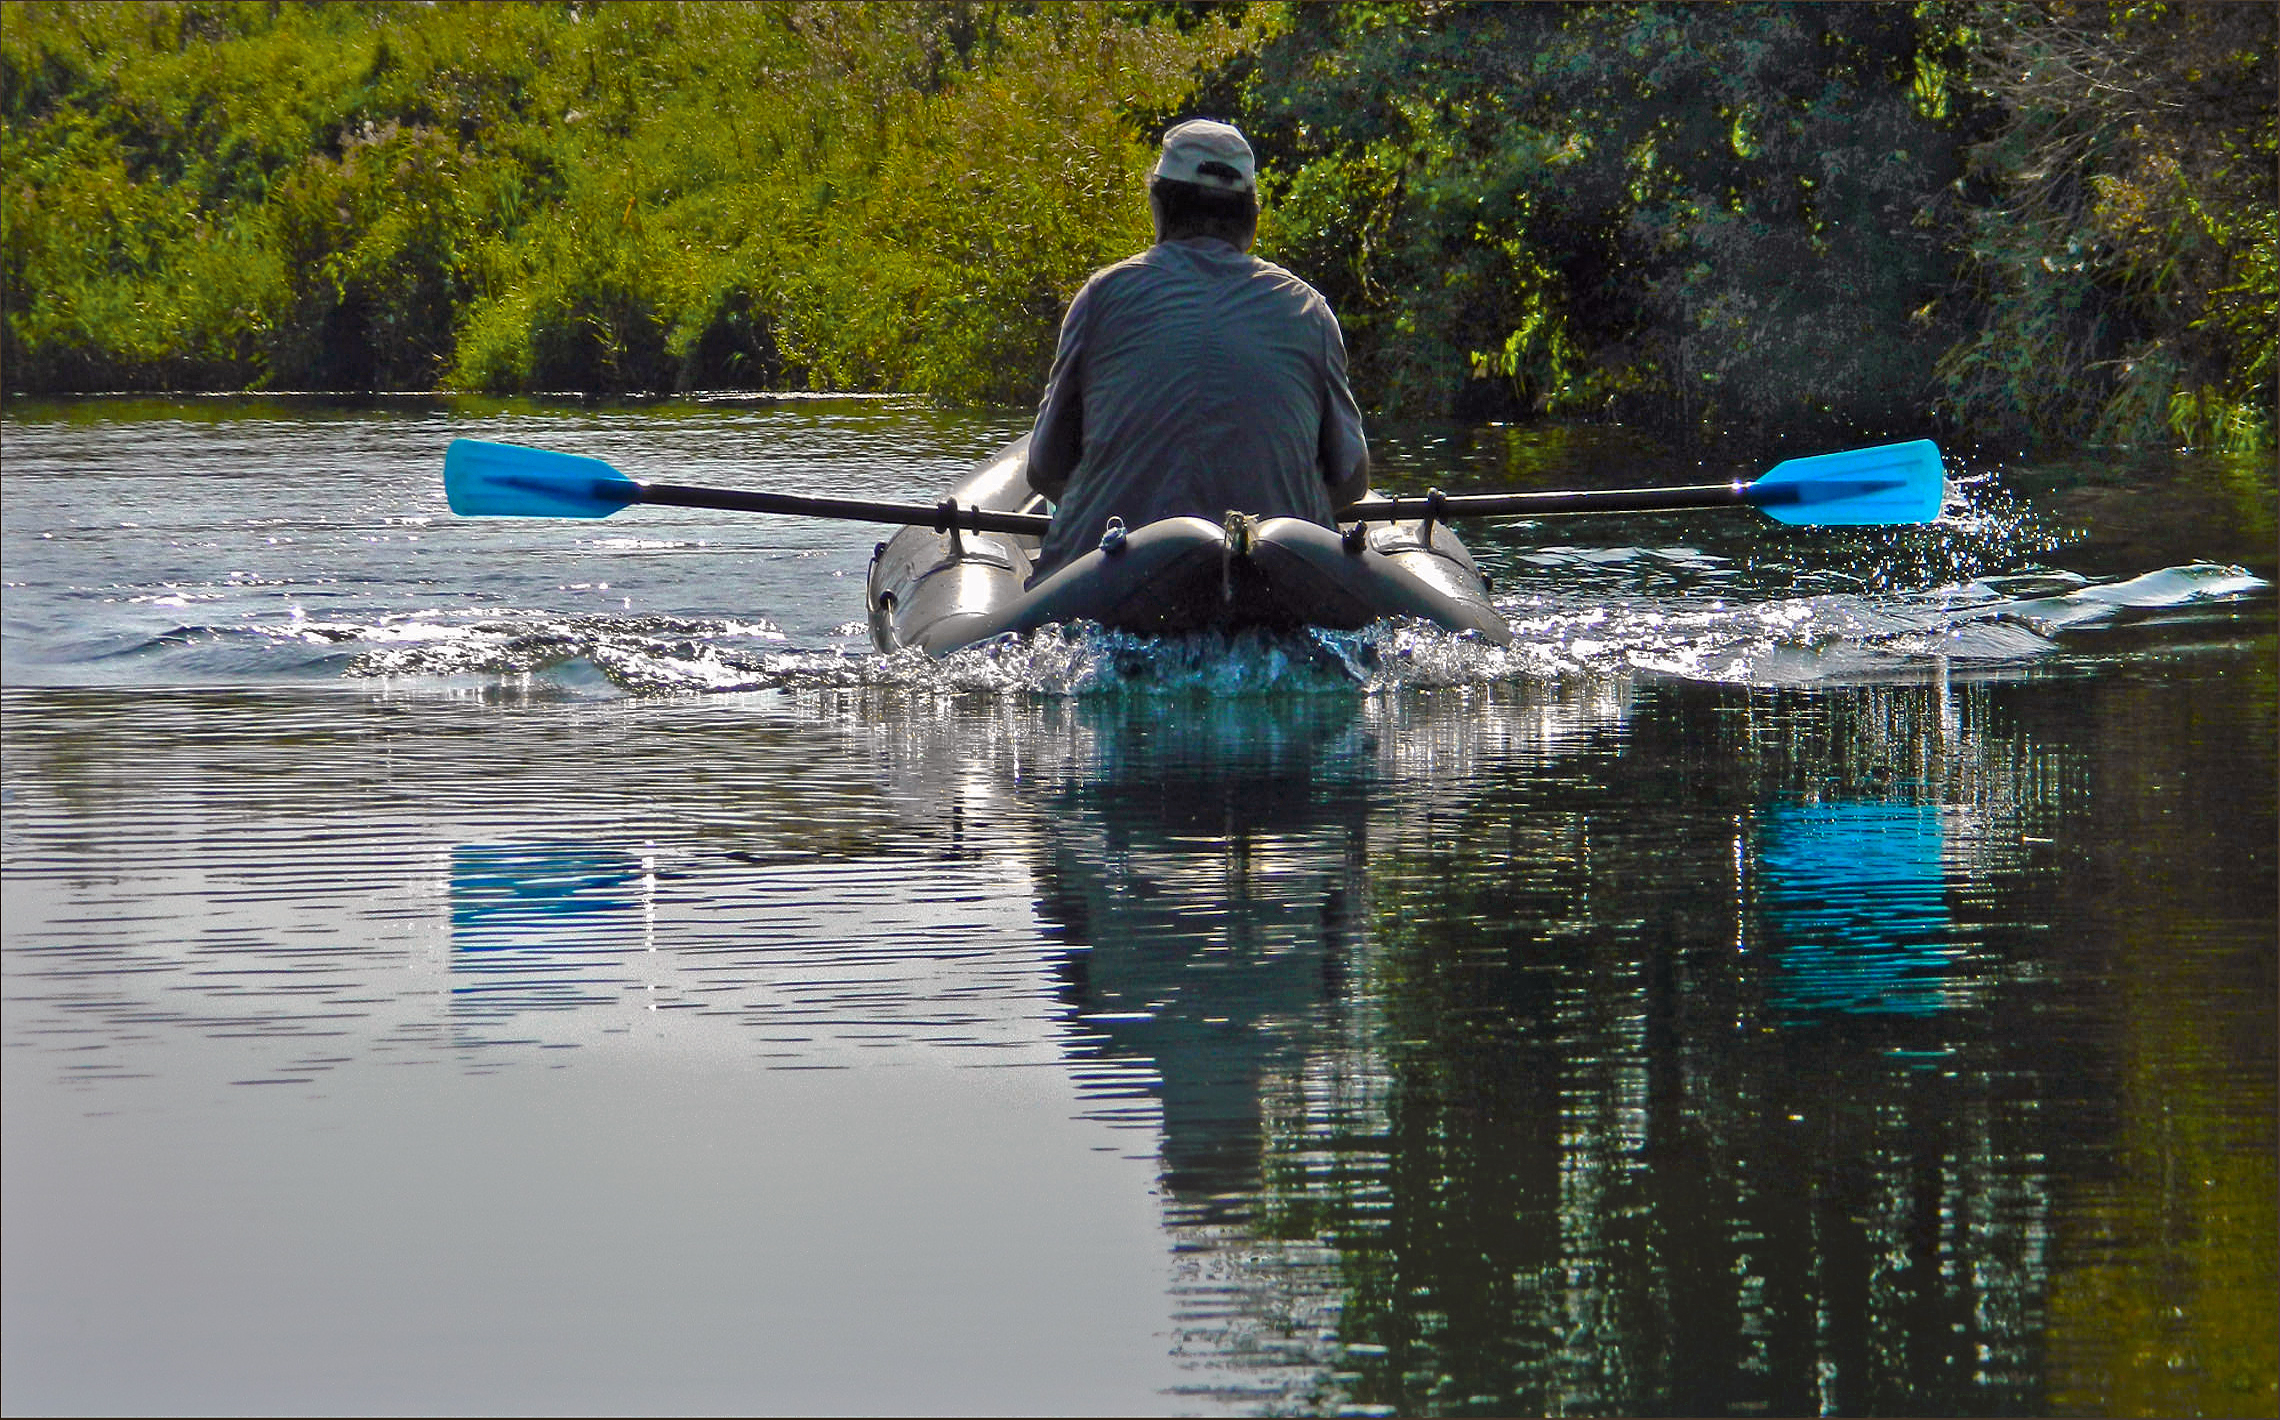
1893 483
482 479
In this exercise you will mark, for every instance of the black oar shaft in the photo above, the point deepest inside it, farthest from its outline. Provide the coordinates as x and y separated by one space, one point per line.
941 517
1503 505
946 515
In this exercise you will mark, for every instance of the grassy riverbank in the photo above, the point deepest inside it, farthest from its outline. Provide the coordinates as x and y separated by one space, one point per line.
2042 224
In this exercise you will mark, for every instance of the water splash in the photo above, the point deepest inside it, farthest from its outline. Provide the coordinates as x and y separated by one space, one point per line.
1987 622
639 654
2052 606
1965 594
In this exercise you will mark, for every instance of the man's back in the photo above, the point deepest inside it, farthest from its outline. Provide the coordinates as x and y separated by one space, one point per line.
1193 379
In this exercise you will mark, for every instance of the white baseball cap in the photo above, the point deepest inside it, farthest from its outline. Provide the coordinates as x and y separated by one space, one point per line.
1208 154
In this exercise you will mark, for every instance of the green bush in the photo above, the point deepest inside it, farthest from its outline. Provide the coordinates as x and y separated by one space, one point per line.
1712 217
600 197
2047 222
2125 272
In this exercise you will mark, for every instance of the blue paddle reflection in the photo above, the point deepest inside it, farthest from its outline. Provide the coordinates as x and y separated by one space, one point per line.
1855 907
538 926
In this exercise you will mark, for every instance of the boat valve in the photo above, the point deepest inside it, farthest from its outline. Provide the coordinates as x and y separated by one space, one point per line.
1355 538
1112 537
1240 532
1238 535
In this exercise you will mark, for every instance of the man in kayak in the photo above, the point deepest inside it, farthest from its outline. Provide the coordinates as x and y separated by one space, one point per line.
1195 378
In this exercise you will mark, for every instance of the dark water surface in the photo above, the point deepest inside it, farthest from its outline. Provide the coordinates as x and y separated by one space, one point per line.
553 966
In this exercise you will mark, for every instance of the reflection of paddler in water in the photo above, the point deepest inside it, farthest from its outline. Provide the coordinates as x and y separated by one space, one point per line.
1205 859
1205 869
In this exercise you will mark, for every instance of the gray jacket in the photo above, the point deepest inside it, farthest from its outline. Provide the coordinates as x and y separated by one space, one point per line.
1193 378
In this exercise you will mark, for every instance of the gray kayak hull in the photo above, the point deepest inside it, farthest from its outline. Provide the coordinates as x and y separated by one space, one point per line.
939 591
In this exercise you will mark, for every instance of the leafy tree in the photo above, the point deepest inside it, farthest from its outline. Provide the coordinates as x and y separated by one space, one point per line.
2128 273
2049 221
600 197
1727 213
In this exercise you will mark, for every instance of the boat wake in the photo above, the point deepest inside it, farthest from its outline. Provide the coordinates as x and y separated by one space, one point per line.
1993 625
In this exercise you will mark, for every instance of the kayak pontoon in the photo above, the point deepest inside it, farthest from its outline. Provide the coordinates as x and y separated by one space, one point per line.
943 587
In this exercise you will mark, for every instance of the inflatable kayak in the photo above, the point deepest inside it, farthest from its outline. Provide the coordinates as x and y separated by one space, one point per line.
940 589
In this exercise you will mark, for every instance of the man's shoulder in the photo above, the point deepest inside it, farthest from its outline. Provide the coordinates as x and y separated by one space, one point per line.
1284 276
1108 279
1269 271
1137 264
1138 261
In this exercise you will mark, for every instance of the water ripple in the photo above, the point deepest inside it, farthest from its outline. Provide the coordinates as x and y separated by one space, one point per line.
1838 636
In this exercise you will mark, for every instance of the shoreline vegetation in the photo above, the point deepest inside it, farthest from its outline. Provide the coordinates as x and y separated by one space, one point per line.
2035 225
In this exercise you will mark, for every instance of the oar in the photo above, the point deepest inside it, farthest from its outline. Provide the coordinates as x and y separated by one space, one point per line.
508 480
1894 483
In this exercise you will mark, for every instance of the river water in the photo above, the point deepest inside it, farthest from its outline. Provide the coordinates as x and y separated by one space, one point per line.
483 964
